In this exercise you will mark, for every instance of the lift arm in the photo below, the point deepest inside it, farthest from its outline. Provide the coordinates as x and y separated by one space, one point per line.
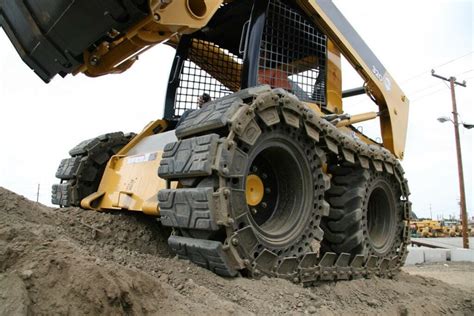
96 37
102 37
380 84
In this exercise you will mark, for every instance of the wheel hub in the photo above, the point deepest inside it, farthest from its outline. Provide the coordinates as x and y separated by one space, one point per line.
254 191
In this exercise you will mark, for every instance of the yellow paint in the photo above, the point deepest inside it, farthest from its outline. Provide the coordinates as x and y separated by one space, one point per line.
207 61
131 182
254 190
165 21
357 119
154 127
334 79
394 124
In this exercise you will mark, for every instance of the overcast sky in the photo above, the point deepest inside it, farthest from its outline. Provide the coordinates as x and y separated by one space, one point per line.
39 123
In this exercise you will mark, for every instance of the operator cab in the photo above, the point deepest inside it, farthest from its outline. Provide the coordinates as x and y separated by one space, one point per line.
250 43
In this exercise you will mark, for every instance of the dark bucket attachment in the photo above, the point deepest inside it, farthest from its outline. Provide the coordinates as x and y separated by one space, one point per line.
51 36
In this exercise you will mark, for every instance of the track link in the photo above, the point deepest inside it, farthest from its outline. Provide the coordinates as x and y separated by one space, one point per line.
232 125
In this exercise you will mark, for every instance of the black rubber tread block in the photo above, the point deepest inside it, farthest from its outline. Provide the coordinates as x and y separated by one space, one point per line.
357 176
94 143
350 243
336 213
336 190
215 114
82 147
210 117
61 194
351 197
68 168
208 254
188 208
191 157
338 170
345 222
333 237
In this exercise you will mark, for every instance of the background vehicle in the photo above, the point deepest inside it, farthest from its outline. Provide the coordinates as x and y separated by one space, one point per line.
269 177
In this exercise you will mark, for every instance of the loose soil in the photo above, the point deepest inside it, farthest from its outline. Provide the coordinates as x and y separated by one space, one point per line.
71 261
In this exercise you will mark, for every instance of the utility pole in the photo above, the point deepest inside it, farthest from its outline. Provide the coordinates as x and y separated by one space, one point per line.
453 83
38 193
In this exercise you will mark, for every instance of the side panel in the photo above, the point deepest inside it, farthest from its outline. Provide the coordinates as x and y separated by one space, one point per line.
387 93
130 180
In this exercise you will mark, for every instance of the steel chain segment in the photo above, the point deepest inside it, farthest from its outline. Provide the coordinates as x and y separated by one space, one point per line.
228 205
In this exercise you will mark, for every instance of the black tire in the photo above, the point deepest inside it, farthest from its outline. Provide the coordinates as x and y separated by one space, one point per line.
272 143
286 221
80 174
270 134
366 215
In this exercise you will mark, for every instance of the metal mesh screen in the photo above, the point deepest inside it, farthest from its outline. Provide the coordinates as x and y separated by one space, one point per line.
209 69
293 54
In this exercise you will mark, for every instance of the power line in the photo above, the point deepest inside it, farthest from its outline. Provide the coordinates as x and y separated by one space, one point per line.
444 64
467 71
431 86
427 95
410 94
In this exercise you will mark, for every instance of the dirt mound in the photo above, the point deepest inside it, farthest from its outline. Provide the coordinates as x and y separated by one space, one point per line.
72 261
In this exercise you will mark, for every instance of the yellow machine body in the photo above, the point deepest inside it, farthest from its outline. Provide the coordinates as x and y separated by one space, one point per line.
167 22
130 180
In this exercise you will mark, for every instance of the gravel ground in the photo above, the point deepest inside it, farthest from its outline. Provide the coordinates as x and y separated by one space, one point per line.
457 274
72 262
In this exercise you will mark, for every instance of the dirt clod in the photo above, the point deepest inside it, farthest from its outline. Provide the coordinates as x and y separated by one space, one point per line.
73 261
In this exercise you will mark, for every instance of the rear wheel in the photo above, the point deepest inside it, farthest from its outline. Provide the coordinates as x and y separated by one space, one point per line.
366 214
80 175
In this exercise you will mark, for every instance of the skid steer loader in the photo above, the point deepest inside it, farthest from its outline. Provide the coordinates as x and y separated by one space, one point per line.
269 177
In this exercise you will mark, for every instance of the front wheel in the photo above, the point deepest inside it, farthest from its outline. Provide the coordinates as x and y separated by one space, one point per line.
263 185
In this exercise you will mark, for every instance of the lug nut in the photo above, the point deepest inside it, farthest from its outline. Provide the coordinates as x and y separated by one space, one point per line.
94 60
264 205
264 176
235 241
268 190
254 169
